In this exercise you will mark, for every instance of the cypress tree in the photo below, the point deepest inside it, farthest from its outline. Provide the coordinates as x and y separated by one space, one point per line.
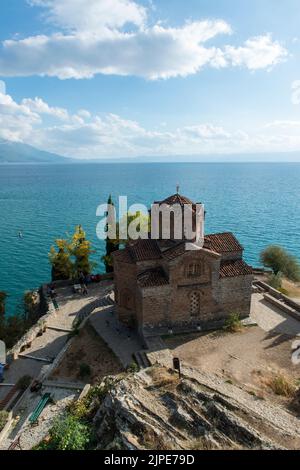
111 245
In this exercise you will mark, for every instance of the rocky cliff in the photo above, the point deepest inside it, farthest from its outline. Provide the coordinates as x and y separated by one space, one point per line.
153 409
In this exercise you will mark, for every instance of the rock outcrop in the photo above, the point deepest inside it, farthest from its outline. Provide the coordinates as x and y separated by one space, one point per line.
153 409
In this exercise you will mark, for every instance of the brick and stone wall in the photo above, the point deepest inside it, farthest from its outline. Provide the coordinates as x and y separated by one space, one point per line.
126 292
190 298
235 295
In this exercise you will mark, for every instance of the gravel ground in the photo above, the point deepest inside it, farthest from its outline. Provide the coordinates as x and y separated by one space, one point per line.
33 435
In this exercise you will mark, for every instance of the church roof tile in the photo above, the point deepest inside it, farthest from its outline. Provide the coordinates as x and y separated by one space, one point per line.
223 243
234 269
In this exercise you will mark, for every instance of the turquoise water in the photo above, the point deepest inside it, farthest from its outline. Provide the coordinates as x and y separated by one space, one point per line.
260 203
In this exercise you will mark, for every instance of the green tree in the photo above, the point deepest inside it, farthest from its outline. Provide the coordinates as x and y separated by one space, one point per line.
15 327
3 297
141 225
280 261
111 244
12 327
68 433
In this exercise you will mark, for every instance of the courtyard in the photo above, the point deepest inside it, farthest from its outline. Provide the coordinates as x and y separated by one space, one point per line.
248 358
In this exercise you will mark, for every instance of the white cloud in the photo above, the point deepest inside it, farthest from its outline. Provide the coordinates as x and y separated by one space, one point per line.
86 135
114 37
283 124
39 106
16 120
92 15
257 53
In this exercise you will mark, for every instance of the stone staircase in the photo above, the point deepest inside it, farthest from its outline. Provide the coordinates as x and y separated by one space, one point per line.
141 359
106 301
156 352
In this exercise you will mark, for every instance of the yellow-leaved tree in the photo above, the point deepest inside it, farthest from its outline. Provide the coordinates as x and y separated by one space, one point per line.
71 256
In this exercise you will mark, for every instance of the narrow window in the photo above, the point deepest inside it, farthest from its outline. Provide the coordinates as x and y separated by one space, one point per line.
195 304
194 270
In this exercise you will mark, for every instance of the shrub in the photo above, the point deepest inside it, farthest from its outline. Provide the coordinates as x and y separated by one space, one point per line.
162 377
282 385
280 261
275 281
233 323
133 368
80 408
68 433
3 419
84 370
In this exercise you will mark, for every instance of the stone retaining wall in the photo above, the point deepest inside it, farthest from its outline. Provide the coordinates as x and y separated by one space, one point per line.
7 427
280 297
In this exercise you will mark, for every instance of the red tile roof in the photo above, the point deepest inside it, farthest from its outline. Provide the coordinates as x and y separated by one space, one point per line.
175 251
147 250
235 268
175 199
223 243
144 250
153 278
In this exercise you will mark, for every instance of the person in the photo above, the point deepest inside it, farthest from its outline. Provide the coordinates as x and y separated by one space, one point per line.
84 289
52 292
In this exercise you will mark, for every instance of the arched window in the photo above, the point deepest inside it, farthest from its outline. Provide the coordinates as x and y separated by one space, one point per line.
195 270
195 304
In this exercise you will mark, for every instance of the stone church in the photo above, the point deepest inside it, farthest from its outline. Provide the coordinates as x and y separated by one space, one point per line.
160 287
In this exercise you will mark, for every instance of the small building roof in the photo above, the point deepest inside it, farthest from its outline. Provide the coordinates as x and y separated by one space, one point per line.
223 243
175 199
235 268
144 250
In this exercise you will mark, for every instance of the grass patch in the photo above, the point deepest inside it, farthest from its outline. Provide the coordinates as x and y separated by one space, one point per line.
233 323
282 386
3 419
162 377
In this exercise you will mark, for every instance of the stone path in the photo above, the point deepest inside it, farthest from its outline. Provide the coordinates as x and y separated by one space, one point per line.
31 436
53 341
270 318
122 341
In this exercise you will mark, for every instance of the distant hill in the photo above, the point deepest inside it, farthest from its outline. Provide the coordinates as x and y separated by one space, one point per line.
15 152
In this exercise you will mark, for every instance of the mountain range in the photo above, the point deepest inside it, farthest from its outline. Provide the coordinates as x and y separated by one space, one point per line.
17 152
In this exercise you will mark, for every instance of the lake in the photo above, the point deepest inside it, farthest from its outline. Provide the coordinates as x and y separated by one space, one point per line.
260 203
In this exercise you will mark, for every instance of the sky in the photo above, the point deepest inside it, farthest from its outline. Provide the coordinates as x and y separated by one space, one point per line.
94 79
